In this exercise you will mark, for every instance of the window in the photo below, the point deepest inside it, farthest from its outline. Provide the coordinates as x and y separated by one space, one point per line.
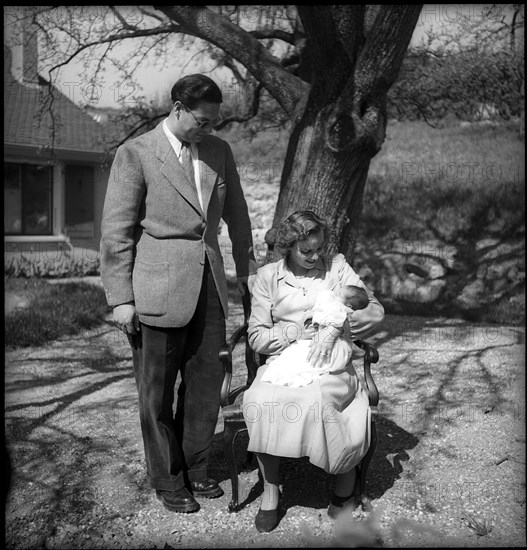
27 199
80 189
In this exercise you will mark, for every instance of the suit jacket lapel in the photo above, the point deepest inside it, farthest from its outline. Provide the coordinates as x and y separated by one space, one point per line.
208 171
173 171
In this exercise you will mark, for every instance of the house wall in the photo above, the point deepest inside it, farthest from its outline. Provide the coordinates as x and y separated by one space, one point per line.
101 181
91 244
48 246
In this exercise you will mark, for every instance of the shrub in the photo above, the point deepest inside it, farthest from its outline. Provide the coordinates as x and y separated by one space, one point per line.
36 266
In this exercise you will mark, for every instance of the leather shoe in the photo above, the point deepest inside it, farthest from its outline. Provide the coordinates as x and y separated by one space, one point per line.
266 520
207 488
178 501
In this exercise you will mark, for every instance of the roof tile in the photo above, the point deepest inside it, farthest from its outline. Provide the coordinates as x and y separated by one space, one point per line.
28 119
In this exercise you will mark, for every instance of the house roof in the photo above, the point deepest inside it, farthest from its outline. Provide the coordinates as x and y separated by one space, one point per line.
31 111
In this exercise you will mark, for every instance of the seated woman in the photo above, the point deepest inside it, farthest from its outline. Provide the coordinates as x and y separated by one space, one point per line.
292 367
327 420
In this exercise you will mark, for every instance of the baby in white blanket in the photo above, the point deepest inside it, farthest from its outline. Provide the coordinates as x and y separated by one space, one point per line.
291 368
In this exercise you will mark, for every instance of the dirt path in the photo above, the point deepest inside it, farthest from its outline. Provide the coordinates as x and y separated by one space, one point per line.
451 451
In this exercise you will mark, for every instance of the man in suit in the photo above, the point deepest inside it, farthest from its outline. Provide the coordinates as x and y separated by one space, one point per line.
163 274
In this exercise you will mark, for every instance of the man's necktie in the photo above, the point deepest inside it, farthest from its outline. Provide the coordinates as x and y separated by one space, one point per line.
186 161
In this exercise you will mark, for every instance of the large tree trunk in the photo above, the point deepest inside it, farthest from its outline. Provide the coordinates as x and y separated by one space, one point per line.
329 183
355 54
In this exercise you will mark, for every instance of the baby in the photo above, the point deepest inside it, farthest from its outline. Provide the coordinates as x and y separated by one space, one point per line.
332 308
291 368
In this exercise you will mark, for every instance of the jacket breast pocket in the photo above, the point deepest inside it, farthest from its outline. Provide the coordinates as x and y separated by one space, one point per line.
150 285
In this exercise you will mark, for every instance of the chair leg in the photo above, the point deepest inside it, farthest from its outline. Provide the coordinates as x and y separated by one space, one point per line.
363 471
248 462
229 438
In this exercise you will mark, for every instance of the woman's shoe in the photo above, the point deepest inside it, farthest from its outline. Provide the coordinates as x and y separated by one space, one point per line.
337 504
267 520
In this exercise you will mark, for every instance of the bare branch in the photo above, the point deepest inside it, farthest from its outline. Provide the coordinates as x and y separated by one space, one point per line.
286 88
149 13
167 29
252 110
123 21
262 34
230 65
381 57
137 128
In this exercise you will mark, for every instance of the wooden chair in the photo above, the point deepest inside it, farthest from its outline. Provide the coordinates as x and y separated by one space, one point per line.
232 400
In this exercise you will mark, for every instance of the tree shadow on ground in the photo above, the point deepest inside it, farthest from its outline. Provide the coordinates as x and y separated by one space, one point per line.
53 420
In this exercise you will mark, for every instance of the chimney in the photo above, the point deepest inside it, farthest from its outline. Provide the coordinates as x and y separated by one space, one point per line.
21 36
30 54
8 63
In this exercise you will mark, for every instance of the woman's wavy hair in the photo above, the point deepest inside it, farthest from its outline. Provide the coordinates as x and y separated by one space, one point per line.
297 227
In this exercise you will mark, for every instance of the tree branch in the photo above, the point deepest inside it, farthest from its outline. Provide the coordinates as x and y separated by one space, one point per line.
359 113
381 57
139 126
251 113
274 33
149 13
286 88
349 23
123 21
166 29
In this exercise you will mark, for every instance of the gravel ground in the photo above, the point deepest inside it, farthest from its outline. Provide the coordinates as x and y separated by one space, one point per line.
449 469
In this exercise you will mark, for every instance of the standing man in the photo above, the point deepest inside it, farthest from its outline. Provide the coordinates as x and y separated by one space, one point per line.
163 274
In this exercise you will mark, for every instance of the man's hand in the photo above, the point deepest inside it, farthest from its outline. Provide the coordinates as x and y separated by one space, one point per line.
126 318
322 345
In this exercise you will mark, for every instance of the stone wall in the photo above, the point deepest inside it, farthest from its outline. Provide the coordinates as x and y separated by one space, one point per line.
461 278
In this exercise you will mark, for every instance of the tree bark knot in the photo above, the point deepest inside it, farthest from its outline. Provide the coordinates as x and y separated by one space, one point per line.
346 132
340 132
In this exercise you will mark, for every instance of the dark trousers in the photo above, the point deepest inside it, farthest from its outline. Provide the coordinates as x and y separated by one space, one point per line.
177 445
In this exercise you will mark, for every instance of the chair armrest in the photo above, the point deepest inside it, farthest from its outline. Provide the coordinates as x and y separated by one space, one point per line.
225 357
371 355
226 351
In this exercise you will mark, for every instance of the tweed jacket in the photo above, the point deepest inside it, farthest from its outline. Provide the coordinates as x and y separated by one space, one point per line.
155 236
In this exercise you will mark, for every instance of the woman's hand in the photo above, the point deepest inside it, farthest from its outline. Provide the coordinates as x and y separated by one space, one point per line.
309 332
322 346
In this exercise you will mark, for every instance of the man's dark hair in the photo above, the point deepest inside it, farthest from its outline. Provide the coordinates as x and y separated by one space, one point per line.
195 88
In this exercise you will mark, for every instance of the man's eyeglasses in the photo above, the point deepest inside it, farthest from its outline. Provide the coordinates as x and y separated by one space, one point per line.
203 124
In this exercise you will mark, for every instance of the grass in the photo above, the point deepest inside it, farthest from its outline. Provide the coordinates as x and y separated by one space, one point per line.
455 181
481 527
53 311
